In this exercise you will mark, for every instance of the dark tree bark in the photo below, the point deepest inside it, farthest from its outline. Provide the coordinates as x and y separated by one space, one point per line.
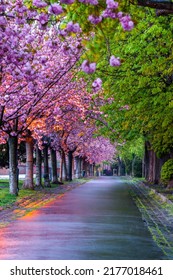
121 167
153 164
143 168
13 165
46 167
63 170
93 169
163 7
146 160
156 4
38 167
80 167
70 165
54 166
85 167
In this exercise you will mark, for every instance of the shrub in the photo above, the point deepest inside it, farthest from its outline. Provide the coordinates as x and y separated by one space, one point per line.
167 171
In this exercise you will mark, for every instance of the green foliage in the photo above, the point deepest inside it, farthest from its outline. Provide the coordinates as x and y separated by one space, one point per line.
167 171
142 86
131 153
132 148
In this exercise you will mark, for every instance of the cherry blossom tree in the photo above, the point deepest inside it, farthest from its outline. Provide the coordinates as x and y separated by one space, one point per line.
28 72
37 51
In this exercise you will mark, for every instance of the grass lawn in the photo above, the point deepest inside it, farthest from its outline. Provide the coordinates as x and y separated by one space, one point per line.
6 199
168 192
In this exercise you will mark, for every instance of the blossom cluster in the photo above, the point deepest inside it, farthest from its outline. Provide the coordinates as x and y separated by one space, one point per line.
68 2
55 9
94 19
21 14
87 67
114 61
97 85
73 27
92 2
110 12
39 3
126 22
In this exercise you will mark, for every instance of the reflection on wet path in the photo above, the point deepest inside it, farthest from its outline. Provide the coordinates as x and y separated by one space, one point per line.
95 221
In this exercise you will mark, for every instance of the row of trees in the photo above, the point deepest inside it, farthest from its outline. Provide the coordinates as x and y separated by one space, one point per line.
43 93
41 98
141 90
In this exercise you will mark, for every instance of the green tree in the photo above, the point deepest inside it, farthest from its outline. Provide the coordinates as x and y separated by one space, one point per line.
142 86
131 153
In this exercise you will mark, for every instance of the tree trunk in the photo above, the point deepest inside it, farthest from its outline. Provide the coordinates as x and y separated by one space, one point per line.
143 168
63 166
38 168
80 167
77 160
29 183
54 166
93 169
13 165
158 170
90 169
160 5
70 165
146 160
119 167
46 167
84 168
133 165
153 164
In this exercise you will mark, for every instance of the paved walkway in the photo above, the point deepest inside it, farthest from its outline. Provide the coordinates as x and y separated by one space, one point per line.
98 220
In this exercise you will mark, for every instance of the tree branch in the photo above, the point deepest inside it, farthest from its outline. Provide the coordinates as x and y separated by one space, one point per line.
166 6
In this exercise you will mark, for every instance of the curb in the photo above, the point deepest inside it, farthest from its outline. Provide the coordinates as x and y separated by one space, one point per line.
156 215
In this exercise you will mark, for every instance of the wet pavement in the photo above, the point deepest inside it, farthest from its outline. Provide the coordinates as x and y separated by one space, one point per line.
96 221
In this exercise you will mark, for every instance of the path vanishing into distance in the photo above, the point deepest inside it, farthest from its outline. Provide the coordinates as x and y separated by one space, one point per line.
96 221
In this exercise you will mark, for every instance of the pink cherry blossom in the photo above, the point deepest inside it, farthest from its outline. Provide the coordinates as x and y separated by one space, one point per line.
68 2
73 27
97 84
39 3
93 2
55 9
108 13
43 18
94 19
111 4
114 61
87 67
127 23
